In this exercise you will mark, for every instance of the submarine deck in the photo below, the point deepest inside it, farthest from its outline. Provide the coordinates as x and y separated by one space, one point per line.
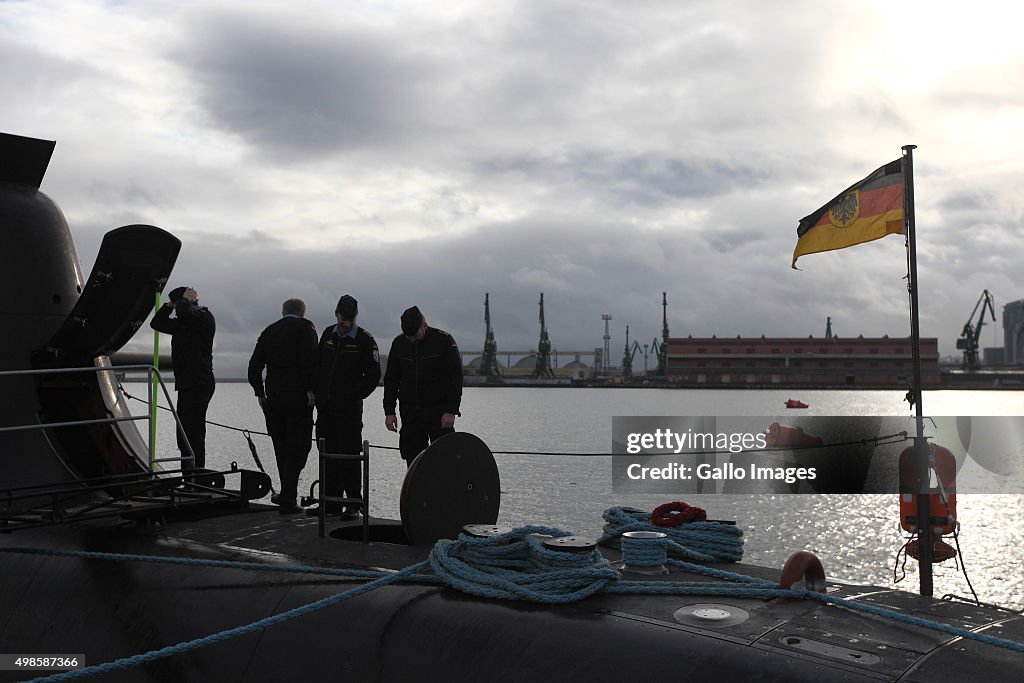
799 639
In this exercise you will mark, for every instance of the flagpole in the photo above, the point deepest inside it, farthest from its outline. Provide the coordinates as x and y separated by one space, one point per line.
921 451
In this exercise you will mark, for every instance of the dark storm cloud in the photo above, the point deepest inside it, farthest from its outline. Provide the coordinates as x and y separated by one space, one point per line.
131 194
965 201
600 152
625 179
296 88
584 270
726 241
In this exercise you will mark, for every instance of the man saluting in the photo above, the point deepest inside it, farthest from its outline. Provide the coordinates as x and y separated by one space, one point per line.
191 329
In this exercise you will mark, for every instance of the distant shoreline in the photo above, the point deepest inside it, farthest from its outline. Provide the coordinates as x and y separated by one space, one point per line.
585 384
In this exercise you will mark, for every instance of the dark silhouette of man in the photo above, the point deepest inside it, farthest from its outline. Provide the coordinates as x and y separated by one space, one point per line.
347 371
191 329
424 377
287 349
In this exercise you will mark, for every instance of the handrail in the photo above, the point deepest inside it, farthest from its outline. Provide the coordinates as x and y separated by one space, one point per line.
364 502
151 372
73 423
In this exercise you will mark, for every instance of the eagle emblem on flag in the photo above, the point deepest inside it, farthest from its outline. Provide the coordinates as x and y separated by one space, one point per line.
845 211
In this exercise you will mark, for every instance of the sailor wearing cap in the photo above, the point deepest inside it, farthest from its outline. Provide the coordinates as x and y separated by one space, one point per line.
191 331
347 371
424 378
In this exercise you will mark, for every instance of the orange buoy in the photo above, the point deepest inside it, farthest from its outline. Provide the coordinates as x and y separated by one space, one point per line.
942 513
941 551
779 436
803 566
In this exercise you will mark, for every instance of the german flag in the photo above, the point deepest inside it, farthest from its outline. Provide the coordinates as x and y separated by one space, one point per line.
865 211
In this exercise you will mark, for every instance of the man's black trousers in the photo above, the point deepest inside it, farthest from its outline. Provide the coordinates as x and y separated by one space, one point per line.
290 425
418 431
343 433
191 409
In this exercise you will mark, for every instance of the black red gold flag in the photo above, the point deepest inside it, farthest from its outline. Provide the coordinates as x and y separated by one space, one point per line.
865 211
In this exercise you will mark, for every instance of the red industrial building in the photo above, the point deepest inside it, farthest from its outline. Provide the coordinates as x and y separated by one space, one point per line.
876 362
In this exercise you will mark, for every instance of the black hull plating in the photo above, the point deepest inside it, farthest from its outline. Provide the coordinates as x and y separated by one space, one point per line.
109 610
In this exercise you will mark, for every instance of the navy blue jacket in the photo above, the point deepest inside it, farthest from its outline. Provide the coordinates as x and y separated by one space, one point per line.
287 349
346 370
426 377
191 342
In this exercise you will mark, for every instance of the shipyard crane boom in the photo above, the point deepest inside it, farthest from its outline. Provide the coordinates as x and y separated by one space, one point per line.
662 350
489 358
971 333
543 366
628 356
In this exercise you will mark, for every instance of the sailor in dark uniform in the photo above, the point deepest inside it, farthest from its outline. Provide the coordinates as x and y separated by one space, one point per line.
424 377
191 331
287 349
347 371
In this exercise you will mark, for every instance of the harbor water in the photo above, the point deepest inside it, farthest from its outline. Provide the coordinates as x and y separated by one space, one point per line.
856 536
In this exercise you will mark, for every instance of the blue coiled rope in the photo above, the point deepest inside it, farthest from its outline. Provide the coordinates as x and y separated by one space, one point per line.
517 566
181 648
644 552
698 541
221 564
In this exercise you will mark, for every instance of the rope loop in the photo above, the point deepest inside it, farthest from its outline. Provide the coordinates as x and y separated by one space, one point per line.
644 552
703 541
674 514
516 566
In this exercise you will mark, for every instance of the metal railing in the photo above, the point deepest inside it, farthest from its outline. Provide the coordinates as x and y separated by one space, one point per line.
364 502
141 493
151 372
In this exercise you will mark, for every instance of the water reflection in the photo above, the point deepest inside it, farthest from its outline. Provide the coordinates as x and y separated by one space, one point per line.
856 536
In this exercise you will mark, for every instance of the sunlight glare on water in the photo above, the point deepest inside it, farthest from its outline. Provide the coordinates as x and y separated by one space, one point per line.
856 536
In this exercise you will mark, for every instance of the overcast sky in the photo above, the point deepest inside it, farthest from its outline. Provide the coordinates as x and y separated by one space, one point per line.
601 152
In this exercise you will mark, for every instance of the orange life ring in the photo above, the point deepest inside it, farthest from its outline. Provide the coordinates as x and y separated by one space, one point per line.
943 518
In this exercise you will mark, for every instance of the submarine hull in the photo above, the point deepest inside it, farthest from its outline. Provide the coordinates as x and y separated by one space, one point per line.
108 610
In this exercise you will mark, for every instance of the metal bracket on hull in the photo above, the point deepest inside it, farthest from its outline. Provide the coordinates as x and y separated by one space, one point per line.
140 498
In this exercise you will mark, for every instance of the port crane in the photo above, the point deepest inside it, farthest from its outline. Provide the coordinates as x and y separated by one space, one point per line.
661 351
629 355
543 366
489 358
971 333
